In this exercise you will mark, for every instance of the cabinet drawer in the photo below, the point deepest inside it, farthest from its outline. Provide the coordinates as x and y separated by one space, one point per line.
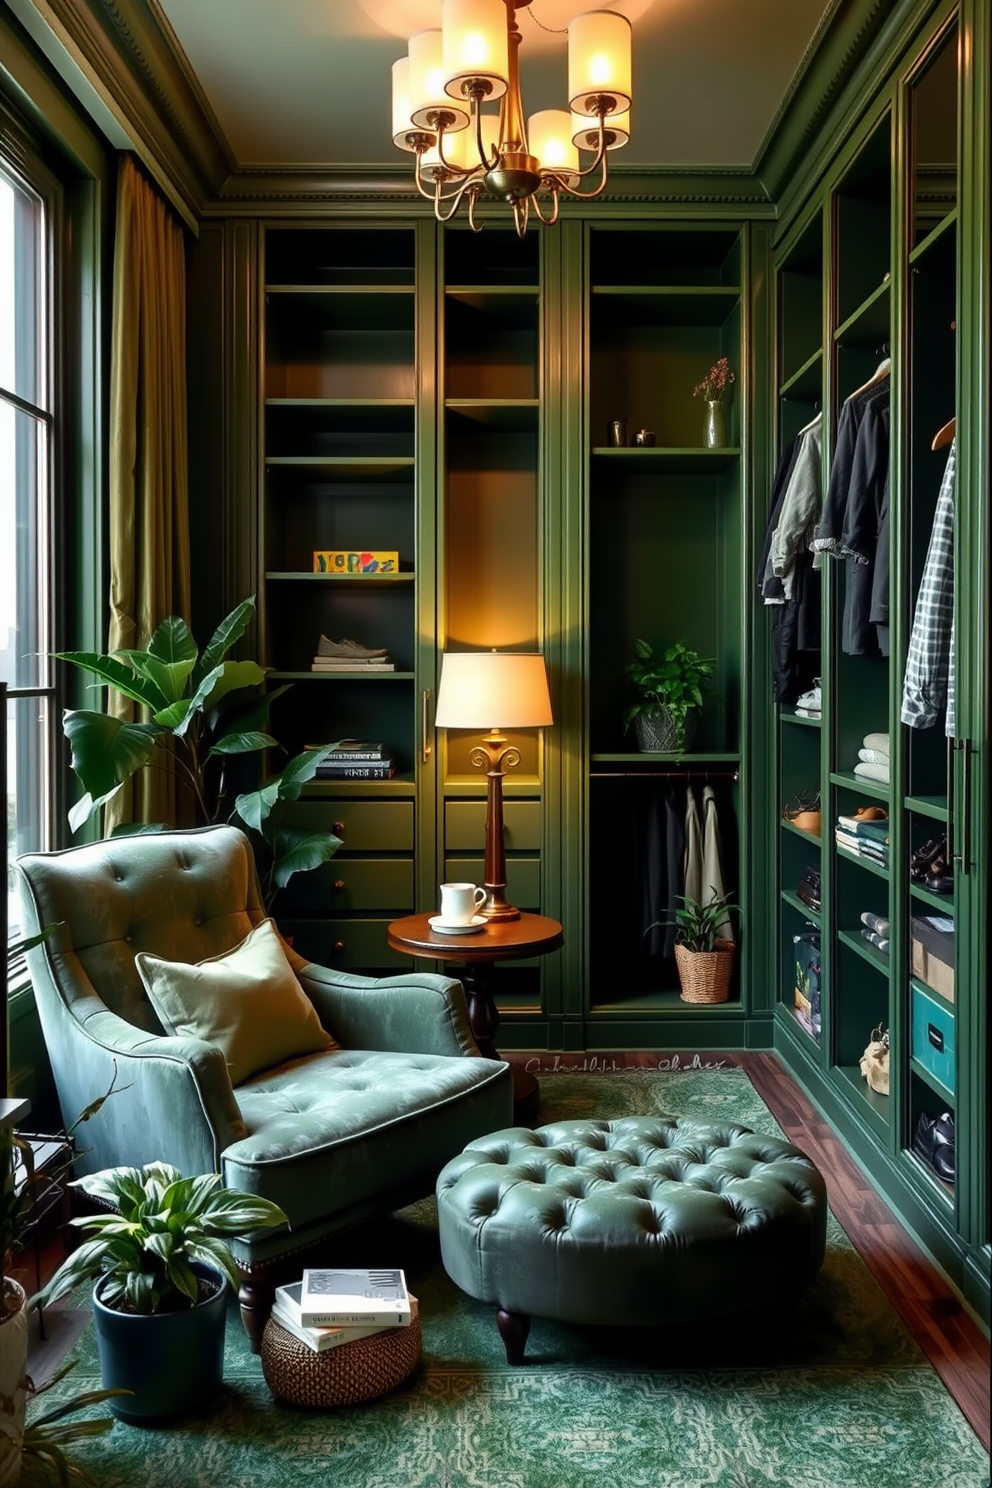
933 1037
345 945
523 878
365 826
465 825
352 883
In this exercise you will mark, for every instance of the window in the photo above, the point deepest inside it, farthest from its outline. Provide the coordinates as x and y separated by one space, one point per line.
27 441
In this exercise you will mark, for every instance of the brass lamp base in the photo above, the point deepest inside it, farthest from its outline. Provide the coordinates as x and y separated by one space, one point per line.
494 753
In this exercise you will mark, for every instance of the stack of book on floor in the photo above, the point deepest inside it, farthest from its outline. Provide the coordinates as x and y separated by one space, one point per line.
868 839
350 656
356 759
331 1306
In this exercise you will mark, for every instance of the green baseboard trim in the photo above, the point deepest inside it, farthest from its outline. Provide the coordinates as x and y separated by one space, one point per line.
961 1267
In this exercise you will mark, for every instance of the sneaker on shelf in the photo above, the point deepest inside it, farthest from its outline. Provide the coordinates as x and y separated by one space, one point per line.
811 699
349 650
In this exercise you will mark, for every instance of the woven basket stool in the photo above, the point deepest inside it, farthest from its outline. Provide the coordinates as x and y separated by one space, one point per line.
345 1375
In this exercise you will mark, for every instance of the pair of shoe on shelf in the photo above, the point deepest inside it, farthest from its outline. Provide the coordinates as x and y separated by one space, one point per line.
931 868
933 1143
809 704
804 812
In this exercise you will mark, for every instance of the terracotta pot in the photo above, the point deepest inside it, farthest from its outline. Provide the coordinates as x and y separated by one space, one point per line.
13 1364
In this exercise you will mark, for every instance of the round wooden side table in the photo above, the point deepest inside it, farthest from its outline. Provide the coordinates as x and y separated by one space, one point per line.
499 940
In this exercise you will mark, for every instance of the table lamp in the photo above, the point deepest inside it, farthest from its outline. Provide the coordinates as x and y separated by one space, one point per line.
493 690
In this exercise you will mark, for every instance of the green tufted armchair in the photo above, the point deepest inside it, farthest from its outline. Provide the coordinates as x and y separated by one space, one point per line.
332 1137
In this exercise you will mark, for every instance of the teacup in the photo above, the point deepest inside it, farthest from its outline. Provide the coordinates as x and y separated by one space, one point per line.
460 902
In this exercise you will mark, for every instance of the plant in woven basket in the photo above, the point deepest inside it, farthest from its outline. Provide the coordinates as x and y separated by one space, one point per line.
670 691
705 960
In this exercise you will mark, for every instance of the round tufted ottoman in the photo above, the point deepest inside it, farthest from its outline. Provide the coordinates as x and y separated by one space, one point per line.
644 1220
345 1375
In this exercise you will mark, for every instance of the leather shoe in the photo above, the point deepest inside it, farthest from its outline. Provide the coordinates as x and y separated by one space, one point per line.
933 1143
939 878
924 856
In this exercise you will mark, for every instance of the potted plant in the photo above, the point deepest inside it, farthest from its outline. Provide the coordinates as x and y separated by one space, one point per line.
205 711
705 960
670 692
161 1267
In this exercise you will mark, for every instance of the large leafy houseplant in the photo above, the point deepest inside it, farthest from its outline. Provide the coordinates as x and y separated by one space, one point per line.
672 685
207 710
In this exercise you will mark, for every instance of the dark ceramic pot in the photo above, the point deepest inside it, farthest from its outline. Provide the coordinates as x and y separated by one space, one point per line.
172 1361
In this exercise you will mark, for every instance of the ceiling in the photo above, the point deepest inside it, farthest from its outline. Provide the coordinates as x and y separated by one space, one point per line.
307 82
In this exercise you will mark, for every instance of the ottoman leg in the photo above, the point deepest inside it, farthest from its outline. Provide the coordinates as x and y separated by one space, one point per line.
513 1329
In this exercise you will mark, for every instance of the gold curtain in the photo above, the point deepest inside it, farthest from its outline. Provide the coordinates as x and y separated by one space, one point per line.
149 499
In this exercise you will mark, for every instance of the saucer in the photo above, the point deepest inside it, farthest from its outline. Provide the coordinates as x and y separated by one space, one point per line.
477 922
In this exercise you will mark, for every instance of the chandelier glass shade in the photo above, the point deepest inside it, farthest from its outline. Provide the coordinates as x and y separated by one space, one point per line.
443 96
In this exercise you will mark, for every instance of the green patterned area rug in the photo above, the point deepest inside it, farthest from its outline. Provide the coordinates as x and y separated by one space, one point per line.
843 1399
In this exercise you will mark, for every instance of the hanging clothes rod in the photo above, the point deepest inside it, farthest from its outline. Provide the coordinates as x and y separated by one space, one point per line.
665 775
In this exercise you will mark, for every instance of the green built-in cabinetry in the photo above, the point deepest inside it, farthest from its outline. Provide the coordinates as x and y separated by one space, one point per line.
881 263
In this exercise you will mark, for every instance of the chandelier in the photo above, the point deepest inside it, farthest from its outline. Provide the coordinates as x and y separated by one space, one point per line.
442 90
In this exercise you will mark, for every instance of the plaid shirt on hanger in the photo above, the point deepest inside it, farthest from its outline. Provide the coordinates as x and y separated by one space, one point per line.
929 678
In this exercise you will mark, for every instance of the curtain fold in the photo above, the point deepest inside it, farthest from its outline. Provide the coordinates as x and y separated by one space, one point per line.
149 499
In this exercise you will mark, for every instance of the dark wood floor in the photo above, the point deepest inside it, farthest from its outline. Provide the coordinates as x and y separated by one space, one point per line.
953 1342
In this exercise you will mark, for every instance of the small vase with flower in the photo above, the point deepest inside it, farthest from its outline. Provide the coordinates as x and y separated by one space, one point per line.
713 389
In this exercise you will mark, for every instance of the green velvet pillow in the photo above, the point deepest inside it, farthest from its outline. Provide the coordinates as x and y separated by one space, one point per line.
248 1002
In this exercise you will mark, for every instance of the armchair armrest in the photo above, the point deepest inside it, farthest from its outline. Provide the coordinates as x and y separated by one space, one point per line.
416 1013
172 1100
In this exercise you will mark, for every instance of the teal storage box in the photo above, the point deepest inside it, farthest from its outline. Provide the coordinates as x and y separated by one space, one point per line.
933 1037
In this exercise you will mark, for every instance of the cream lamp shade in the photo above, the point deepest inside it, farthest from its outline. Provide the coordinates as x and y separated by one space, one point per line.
493 690
426 83
599 58
475 45
402 123
549 135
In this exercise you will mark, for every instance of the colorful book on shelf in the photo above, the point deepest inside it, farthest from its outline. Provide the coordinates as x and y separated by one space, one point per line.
353 751
287 1313
360 770
334 1296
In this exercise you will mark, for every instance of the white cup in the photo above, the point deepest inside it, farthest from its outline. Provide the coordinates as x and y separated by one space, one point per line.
459 902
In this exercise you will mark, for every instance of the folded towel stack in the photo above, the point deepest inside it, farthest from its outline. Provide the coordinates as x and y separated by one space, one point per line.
873 759
868 839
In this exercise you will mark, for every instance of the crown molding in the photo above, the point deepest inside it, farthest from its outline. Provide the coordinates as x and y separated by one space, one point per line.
124 65
282 190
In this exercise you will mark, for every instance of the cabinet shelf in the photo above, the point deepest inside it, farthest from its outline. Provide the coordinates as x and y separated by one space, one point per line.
794 902
932 806
342 676
807 380
928 1179
519 415
872 1107
635 757
850 781
675 305
866 863
686 460
938 249
943 902
865 950
929 1078
869 324
400 785
303 577
344 465
343 403
800 832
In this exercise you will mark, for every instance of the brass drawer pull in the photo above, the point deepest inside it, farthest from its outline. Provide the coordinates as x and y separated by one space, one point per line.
339 884
338 947
337 828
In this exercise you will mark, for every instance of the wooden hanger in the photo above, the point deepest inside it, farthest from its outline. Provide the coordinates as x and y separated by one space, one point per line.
878 375
945 435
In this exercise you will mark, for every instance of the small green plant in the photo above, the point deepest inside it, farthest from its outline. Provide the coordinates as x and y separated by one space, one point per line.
697 926
205 711
677 681
47 1435
163 1223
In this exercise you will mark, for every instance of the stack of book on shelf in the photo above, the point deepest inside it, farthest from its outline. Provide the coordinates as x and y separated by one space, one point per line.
350 656
868 839
356 759
331 1307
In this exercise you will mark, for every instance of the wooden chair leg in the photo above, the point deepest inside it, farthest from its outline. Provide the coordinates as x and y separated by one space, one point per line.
513 1329
256 1295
